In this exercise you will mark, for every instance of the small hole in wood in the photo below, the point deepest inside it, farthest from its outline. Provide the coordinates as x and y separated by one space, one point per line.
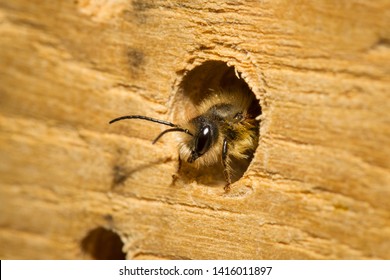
103 244
198 85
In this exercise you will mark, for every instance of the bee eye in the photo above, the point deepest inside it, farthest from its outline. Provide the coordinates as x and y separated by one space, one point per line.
203 141
238 116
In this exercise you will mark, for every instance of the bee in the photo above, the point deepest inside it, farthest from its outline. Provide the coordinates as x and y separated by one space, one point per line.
224 127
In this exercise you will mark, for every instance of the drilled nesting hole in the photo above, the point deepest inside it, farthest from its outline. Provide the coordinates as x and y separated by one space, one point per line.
103 244
198 85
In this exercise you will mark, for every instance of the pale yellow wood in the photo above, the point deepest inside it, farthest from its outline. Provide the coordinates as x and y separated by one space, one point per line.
317 188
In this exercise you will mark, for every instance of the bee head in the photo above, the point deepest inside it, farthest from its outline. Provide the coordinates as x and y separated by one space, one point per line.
202 140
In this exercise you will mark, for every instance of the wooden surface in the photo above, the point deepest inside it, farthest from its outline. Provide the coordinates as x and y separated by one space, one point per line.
317 188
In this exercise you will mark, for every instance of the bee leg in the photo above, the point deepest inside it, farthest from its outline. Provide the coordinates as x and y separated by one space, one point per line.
226 167
176 175
179 165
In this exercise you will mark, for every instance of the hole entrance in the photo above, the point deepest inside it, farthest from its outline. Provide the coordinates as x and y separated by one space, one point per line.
201 84
103 244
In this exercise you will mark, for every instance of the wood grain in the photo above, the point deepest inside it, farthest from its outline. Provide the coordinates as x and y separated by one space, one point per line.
317 188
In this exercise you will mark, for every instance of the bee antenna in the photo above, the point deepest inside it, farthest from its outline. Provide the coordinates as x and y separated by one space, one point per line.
172 130
144 118
175 126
